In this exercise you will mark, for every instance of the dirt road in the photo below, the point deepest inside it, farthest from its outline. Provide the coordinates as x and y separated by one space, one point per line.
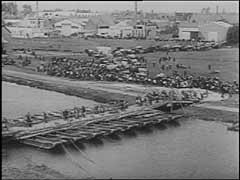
110 87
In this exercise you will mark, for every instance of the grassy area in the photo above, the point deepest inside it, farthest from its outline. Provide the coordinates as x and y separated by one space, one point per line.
78 44
224 60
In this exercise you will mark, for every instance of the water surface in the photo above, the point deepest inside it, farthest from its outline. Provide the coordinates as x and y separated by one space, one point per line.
195 149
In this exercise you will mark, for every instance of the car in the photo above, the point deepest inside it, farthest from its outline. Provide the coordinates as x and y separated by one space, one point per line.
157 38
165 47
176 47
187 48
215 72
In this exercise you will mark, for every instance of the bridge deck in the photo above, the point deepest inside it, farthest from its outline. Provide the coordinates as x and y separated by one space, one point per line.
48 137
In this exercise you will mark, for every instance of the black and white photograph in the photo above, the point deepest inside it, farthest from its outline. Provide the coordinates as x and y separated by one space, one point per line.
120 89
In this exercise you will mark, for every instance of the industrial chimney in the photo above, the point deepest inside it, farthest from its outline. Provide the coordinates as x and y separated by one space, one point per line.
217 9
135 13
37 10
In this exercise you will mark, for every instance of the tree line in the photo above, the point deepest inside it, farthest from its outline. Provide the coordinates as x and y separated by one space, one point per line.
233 35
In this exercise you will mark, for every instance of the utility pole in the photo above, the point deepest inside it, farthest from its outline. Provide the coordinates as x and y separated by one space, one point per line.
136 10
37 10
135 19
217 9
15 4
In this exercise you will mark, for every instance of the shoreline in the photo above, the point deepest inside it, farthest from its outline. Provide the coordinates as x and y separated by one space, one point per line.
86 93
105 92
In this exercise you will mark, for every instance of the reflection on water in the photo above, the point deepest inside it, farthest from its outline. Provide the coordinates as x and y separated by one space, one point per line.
18 100
195 149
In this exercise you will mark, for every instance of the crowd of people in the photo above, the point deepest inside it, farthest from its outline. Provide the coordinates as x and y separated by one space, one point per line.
172 95
122 66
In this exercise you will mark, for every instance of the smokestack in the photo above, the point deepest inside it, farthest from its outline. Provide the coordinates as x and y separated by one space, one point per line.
38 22
223 11
136 12
217 9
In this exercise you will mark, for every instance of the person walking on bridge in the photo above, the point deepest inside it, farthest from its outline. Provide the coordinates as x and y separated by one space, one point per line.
45 117
83 109
209 67
29 119
76 112
65 114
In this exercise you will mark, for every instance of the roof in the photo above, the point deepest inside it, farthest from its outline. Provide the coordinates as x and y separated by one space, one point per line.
218 23
125 23
186 24
223 24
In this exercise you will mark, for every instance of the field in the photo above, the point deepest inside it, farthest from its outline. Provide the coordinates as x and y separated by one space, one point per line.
78 44
224 60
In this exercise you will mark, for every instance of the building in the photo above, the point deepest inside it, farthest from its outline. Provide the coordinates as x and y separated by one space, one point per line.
68 27
127 32
212 31
27 32
125 28
56 14
26 22
32 22
151 30
104 21
139 31
86 13
159 16
188 31
105 30
215 31
161 24
12 22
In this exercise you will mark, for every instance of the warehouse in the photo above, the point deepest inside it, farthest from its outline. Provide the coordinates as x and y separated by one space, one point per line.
215 31
70 26
188 31
26 32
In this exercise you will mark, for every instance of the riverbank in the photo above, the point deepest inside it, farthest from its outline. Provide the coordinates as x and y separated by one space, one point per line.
64 86
30 171
105 92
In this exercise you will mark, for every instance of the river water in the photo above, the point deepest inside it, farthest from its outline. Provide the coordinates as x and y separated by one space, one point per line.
195 149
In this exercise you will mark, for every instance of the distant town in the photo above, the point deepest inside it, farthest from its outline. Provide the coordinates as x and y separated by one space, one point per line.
31 23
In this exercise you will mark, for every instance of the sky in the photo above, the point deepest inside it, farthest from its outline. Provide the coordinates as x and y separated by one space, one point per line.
156 6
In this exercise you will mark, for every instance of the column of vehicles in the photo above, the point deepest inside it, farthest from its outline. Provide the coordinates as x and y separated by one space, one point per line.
185 46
